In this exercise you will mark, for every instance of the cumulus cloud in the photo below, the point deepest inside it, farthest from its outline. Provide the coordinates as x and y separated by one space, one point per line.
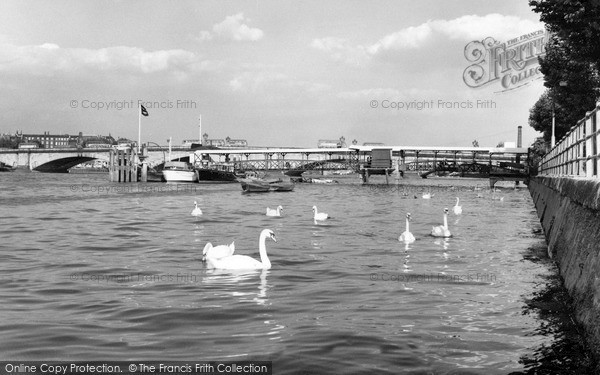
233 28
466 28
48 58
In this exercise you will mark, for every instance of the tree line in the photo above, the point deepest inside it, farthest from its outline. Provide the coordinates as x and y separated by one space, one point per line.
570 66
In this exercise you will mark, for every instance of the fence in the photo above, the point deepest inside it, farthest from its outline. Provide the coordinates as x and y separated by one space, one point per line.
576 154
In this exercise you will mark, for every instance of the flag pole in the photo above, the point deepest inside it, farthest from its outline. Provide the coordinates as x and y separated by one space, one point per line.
139 126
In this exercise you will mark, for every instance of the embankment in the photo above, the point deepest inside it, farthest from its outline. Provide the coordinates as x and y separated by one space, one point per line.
569 210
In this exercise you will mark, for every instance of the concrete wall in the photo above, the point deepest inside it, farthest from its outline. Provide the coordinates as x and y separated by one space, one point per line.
569 210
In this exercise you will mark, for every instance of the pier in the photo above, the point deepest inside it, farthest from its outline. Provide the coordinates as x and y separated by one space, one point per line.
566 193
493 162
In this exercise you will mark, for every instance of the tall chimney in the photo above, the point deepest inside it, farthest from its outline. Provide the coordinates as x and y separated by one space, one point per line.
520 137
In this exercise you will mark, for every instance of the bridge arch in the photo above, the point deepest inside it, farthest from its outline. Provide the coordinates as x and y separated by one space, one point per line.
62 165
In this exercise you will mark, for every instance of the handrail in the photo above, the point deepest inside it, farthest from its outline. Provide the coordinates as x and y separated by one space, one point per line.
577 153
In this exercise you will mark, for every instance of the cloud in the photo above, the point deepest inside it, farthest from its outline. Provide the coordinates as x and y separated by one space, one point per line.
341 50
233 28
473 27
49 58
466 28
273 83
389 94
408 38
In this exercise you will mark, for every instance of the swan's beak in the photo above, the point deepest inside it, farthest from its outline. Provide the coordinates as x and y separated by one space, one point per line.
204 258
273 238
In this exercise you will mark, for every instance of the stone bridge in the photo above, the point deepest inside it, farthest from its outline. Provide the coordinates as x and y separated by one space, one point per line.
59 160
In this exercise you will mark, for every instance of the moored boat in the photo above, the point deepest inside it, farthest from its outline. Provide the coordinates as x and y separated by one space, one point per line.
179 171
254 184
6 168
216 173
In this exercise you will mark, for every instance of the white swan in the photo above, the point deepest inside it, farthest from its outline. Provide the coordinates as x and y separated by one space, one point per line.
428 195
406 236
274 211
244 262
496 198
457 209
319 216
442 230
217 252
196 211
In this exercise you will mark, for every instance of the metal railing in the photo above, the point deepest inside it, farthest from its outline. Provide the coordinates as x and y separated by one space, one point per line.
576 154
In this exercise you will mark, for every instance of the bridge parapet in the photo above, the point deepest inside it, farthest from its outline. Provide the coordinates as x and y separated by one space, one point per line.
577 153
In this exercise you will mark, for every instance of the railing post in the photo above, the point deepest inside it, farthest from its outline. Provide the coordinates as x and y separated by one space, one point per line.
589 170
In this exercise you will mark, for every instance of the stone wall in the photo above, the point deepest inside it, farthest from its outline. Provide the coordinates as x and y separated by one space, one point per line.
569 211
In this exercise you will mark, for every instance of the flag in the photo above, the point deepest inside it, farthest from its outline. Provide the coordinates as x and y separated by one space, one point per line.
144 112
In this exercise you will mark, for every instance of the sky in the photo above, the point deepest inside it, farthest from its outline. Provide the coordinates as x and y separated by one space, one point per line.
277 73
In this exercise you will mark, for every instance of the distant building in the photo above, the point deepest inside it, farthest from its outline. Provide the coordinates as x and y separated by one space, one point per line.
326 143
227 142
235 142
47 140
373 144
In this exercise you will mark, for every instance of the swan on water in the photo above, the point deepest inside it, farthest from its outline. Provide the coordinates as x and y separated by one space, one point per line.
457 209
274 211
244 262
217 252
196 211
497 198
442 230
406 236
428 195
319 216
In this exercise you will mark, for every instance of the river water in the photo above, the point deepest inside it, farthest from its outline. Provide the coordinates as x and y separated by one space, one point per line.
98 271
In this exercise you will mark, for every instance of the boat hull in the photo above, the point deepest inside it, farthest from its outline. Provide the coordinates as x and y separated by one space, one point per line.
215 176
179 176
262 186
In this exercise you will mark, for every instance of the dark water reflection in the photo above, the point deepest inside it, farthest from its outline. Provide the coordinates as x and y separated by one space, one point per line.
568 352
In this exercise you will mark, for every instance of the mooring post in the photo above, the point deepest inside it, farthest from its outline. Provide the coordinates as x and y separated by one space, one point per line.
121 166
111 165
144 161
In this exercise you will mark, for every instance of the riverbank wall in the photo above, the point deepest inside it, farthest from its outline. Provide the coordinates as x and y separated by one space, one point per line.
569 211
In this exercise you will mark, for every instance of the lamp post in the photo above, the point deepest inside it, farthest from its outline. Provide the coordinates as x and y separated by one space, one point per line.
553 138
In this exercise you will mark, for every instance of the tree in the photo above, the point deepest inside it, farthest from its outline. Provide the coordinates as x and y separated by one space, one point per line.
537 150
540 116
570 65
575 21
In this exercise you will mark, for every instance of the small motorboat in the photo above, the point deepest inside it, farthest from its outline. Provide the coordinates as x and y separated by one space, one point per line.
179 171
7 168
255 184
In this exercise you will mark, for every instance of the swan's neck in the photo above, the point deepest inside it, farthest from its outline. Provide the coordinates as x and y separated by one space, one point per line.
457 200
445 220
407 225
262 248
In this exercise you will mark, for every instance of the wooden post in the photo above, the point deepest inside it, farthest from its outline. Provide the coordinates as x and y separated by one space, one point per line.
121 164
111 165
143 157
